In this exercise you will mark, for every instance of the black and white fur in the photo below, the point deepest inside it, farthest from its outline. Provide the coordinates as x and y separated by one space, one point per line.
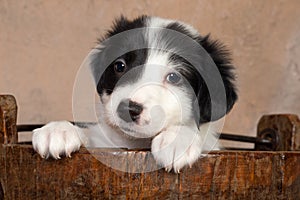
147 100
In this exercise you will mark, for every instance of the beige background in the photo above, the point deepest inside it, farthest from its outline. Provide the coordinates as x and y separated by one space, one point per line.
42 44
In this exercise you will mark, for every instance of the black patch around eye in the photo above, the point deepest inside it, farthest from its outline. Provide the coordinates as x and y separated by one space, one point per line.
116 70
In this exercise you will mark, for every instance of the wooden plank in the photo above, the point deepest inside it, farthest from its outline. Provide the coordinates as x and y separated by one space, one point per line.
8 119
220 175
282 129
8 134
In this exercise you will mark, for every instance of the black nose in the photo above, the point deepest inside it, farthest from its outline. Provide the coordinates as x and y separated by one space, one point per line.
129 110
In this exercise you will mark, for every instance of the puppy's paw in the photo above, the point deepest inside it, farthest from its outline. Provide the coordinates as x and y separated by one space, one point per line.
177 147
57 138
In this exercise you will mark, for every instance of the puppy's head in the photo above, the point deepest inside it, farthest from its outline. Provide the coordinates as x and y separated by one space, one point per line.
153 73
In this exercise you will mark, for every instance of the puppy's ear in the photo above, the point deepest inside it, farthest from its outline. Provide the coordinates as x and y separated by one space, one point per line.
221 57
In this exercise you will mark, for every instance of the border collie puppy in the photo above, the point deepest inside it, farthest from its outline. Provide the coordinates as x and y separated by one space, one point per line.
161 85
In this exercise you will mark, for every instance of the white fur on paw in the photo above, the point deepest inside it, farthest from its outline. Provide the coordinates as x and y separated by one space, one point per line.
177 147
57 138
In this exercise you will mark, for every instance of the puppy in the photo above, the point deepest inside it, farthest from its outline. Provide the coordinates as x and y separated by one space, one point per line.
161 85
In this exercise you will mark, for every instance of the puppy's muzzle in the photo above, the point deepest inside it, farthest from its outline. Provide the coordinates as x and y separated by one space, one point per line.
129 111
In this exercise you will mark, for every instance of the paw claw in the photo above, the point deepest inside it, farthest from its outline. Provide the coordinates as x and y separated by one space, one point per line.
168 169
57 157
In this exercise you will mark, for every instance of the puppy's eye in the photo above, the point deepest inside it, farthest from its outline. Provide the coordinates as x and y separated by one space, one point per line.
120 66
173 78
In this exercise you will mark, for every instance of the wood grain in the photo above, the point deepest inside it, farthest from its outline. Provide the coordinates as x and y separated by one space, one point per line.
282 129
8 119
219 175
88 175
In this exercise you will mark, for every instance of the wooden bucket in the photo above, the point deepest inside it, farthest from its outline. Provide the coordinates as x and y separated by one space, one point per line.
220 175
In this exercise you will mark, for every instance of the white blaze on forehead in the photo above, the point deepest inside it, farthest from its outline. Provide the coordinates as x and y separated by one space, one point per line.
156 66
157 58
154 34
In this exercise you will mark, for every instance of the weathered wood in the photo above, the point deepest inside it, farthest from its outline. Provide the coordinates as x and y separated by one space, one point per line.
219 175
283 130
8 119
